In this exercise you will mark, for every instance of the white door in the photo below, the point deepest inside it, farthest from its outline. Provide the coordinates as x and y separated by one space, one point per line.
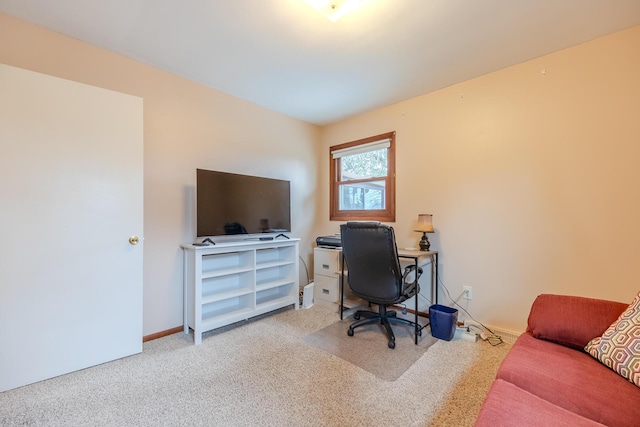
71 196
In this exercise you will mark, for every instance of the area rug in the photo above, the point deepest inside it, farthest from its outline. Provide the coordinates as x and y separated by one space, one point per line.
368 348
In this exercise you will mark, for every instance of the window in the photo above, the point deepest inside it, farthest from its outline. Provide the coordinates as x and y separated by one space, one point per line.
363 179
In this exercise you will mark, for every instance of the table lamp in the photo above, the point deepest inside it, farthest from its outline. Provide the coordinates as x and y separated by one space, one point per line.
425 226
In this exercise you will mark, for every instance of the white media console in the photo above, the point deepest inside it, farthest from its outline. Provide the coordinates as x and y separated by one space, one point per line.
233 281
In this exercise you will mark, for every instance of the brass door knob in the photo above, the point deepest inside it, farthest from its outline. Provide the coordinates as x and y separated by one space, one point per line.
134 240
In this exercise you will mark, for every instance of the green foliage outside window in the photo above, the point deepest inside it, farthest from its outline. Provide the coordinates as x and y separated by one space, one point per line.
365 165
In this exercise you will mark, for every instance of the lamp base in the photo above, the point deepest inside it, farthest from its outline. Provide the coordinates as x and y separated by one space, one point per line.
424 242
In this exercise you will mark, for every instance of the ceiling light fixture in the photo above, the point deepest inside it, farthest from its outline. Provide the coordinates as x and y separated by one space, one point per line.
335 9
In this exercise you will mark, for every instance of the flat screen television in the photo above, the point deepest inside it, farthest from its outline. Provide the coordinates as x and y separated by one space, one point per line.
229 203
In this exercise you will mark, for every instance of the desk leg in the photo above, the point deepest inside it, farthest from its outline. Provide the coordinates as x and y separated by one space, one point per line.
417 329
435 285
341 308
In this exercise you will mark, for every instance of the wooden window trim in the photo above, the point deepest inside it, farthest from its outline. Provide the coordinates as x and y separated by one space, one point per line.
385 215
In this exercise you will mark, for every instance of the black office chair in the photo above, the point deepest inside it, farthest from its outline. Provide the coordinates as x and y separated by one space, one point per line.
375 275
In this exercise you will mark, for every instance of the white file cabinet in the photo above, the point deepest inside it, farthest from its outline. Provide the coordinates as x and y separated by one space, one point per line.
327 267
326 277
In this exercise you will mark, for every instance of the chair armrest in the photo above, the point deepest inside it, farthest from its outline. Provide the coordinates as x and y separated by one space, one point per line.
408 288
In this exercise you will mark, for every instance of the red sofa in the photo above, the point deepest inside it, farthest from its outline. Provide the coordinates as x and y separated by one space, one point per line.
547 379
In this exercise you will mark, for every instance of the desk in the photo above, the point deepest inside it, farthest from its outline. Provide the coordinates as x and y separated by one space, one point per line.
419 258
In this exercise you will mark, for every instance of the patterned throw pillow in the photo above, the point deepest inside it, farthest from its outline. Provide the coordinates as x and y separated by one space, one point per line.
619 346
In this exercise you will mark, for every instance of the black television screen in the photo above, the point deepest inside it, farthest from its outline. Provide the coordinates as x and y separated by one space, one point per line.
229 203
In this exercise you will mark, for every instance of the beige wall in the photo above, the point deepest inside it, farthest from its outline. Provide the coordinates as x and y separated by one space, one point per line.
186 126
533 179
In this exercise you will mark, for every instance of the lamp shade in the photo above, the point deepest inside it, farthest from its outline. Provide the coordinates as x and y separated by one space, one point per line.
425 223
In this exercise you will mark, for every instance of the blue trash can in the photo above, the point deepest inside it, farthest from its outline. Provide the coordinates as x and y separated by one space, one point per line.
443 321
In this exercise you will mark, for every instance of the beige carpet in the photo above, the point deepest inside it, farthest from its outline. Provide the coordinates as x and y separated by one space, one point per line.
260 373
368 348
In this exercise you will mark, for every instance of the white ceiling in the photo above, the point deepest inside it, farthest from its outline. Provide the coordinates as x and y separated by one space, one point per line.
285 56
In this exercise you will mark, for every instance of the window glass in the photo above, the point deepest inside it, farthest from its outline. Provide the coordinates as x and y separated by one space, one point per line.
366 195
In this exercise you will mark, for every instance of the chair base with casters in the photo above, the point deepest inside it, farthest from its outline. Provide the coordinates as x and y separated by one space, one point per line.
385 317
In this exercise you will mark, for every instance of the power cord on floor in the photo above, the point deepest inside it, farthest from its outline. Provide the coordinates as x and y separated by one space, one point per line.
300 291
305 268
491 337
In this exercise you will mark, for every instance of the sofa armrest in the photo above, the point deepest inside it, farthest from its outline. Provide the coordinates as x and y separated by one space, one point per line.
570 320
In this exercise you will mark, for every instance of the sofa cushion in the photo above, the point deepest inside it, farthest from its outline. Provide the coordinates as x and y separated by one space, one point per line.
619 346
572 380
509 406
571 321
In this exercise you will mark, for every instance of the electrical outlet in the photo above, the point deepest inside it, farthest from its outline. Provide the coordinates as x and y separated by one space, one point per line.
466 292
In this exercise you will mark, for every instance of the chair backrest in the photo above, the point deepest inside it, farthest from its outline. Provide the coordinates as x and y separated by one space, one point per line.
371 256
